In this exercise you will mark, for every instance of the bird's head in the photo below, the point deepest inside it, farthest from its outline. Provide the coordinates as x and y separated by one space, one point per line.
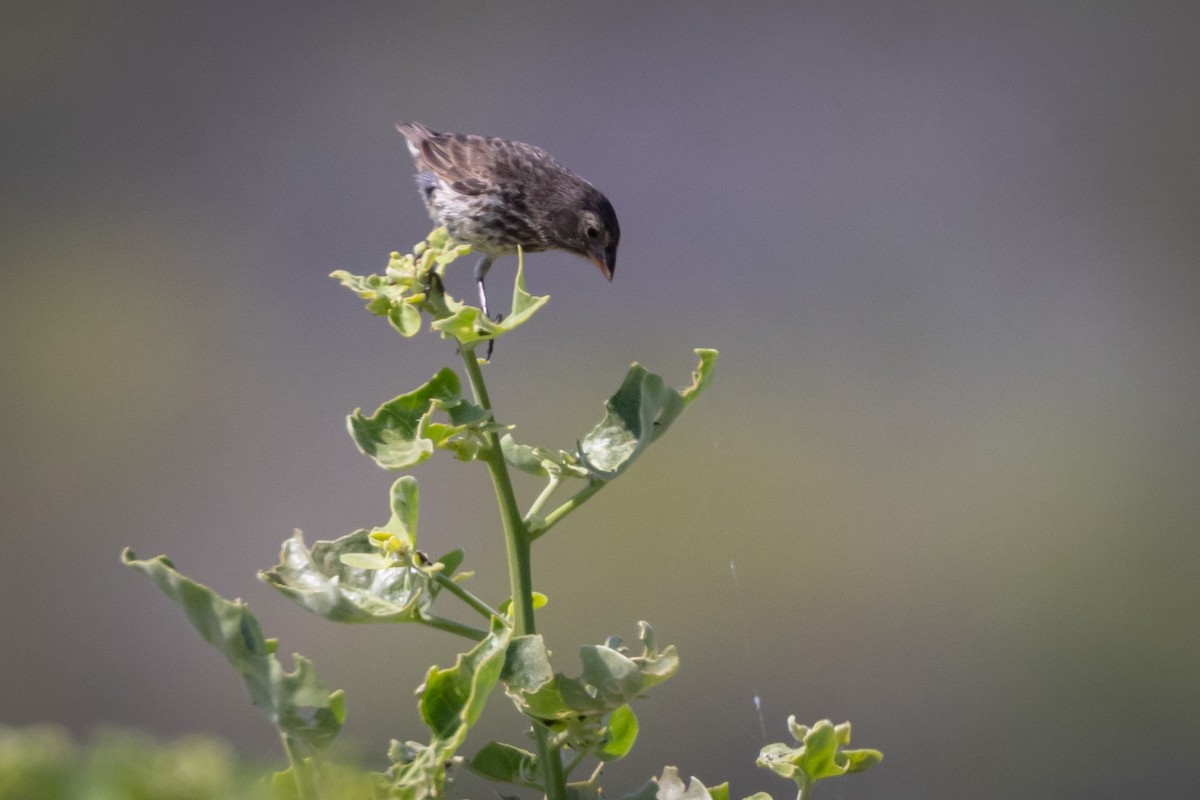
588 227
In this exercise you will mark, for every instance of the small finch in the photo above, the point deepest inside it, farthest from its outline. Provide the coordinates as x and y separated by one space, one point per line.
496 195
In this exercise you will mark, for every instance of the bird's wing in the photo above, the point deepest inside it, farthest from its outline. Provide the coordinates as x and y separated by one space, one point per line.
464 162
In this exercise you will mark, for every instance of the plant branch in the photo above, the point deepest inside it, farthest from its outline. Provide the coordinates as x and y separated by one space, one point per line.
516 535
517 541
301 769
572 503
550 759
457 628
475 377
534 509
467 597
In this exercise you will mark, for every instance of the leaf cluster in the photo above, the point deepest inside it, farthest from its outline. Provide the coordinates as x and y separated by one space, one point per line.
413 284
821 754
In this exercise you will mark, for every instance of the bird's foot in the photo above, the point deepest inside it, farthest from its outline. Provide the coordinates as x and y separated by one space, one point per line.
434 284
492 342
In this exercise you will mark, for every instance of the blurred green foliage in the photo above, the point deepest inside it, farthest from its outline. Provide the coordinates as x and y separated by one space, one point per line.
44 763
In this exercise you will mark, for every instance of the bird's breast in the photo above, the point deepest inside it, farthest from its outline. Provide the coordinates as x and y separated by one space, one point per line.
492 223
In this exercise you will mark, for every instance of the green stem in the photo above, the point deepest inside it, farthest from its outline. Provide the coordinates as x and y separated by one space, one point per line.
467 597
516 536
573 763
457 628
805 789
572 503
475 376
536 508
517 541
550 760
301 773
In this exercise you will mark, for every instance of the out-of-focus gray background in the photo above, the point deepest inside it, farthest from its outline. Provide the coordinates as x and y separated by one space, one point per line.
950 254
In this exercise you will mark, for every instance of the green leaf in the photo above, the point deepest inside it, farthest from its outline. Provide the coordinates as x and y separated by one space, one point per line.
405 318
539 460
403 433
380 292
507 764
402 292
637 414
539 601
408 287
576 709
367 561
404 503
453 698
297 702
861 760
620 736
469 326
322 581
819 756
525 458
451 701
446 565
451 561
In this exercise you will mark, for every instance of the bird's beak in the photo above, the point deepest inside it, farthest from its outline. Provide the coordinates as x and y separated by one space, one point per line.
604 258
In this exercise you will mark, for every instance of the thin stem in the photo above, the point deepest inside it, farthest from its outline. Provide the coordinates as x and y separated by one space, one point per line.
457 628
516 535
475 377
517 541
573 763
301 773
467 597
534 509
572 503
805 790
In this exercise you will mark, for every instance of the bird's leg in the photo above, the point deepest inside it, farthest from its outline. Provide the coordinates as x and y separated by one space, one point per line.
481 270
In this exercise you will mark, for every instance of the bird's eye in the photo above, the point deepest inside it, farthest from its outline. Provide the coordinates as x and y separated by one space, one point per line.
592 233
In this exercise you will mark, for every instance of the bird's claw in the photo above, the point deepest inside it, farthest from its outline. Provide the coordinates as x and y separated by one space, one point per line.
492 342
434 284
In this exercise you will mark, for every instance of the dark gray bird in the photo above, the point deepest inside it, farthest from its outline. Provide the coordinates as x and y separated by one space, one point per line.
494 195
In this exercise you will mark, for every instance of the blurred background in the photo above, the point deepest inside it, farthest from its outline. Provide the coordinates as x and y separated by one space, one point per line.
950 254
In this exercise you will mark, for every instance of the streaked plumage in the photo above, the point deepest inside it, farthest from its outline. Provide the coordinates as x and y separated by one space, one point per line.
494 195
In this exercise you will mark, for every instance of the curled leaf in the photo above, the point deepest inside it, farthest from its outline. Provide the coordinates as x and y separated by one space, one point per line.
585 712
637 414
333 580
469 326
403 432
540 461
451 701
508 764
297 702
820 754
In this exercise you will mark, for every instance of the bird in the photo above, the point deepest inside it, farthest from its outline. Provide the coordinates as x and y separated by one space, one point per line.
499 195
